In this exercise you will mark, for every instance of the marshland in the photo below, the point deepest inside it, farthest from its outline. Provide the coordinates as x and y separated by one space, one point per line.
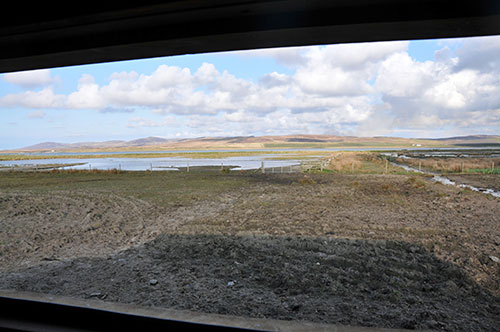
358 242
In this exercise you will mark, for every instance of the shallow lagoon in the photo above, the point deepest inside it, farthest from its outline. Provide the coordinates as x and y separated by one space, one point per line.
156 164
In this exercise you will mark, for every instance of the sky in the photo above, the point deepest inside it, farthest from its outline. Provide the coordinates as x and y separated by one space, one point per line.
415 89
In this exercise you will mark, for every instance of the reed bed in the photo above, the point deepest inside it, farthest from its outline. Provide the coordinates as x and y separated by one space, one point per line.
454 165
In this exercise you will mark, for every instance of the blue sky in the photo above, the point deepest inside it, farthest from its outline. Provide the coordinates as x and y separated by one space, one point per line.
428 88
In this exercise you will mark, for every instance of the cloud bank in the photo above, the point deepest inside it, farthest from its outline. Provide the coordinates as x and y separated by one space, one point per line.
355 89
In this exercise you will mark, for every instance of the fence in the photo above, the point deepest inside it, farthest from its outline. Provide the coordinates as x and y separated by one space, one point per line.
281 169
214 165
314 165
264 167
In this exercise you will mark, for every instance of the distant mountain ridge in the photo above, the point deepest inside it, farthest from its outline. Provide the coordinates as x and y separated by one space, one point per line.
466 138
258 141
98 145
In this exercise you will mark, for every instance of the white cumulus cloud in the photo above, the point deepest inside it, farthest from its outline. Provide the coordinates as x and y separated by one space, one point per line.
29 79
363 89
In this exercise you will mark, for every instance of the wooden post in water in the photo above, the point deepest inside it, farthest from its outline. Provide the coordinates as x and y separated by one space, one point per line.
262 167
188 166
151 167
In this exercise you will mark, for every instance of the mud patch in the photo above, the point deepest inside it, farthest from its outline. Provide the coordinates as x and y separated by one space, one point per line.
420 254
70 224
353 282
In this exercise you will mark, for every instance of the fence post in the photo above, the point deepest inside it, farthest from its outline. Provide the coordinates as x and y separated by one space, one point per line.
492 166
188 166
151 167
262 167
386 165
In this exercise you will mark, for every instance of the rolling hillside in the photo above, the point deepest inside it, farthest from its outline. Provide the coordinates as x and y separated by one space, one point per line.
264 142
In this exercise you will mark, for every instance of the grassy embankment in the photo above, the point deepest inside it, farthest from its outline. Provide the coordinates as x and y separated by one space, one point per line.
361 163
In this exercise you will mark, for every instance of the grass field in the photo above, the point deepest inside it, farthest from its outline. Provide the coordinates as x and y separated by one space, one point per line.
194 155
162 188
358 248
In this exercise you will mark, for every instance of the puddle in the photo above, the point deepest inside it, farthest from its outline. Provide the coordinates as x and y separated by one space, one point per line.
445 180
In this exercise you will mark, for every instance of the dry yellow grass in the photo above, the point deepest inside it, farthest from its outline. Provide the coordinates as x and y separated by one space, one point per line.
452 165
346 161
360 162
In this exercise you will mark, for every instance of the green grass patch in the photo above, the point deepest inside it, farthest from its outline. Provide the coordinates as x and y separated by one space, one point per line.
485 170
161 188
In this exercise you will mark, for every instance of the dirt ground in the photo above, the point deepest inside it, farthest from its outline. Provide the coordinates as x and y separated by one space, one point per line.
372 250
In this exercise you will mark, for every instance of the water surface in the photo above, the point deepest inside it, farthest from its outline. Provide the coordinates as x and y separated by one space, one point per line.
155 164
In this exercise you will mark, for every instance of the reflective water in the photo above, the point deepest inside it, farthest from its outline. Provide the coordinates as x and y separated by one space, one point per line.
445 180
141 164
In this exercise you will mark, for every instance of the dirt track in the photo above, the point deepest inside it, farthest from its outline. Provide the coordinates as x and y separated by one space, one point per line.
372 250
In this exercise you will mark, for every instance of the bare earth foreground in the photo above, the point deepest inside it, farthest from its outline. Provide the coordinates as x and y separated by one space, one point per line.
371 250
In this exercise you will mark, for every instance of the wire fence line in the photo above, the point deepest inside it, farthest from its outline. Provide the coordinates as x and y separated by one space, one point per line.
205 165
264 167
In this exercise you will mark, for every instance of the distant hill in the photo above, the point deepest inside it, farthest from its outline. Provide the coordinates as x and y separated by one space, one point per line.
472 141
260 142
467 138
46 146
148 141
